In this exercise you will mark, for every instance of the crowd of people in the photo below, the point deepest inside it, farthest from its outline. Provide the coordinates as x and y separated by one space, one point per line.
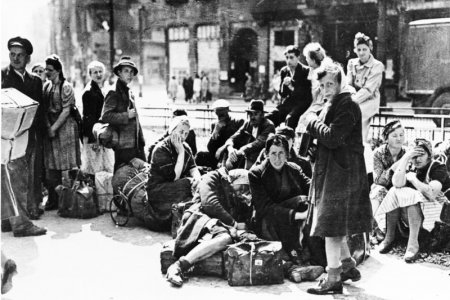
251 182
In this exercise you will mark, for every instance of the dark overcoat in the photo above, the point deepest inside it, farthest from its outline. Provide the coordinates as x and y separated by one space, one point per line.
92 109
115 112
339 188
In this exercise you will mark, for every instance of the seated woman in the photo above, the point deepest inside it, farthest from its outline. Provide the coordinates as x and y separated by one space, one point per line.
173 174
279 190
416 197
223 206
385 161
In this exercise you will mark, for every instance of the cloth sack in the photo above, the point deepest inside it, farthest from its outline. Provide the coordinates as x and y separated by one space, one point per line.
96 158
254 263
77 202
104 189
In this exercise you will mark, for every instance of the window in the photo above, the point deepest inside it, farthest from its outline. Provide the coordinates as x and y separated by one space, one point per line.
284 37
178 33
208 32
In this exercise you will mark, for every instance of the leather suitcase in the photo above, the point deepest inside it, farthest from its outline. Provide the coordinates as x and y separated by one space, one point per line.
211 266
254 263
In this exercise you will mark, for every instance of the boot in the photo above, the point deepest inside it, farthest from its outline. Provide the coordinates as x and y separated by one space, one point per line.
22 227
52 200
349 270
309 273
415 222
391 225
9 270
175 273
330 284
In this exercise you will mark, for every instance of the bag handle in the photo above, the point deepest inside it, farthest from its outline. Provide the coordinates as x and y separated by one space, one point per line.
76 178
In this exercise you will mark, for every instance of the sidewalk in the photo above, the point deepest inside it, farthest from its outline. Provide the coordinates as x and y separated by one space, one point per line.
93 259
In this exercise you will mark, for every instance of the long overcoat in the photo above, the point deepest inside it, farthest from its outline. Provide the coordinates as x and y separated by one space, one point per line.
339 188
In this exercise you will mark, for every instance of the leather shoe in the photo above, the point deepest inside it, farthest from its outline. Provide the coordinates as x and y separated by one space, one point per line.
175 275
411 256
6 226
353 274
9 270
30 230
385 247
51 206
326 287
34 215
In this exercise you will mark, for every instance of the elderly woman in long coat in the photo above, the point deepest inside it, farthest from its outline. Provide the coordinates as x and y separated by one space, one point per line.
339 188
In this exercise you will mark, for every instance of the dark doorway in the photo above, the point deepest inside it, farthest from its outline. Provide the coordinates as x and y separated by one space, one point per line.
243 57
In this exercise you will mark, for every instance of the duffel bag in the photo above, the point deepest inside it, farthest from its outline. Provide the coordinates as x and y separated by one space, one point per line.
254 263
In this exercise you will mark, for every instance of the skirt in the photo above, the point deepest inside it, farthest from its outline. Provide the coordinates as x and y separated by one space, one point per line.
404 197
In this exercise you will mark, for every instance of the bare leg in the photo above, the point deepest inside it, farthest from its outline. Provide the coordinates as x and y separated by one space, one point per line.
415 220
207 248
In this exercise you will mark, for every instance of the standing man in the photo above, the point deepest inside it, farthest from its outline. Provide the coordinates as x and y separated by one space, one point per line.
295 90
25 172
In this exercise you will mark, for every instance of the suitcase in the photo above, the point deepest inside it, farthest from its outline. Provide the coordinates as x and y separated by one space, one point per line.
104 189
211 266
254 263
178 210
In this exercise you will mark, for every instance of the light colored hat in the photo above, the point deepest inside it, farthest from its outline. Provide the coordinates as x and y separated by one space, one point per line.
221 103
238 176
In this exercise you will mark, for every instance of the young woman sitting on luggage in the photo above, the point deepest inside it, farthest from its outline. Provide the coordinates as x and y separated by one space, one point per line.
173 174
416 197
279 190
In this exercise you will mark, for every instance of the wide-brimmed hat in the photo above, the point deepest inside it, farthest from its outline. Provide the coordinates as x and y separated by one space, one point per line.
21 42
256 105
125 61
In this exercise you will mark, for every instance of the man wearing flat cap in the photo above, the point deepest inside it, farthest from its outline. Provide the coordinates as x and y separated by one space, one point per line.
244 146
221 131
25 172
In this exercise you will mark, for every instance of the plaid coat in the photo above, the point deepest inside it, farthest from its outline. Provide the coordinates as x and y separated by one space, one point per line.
115 112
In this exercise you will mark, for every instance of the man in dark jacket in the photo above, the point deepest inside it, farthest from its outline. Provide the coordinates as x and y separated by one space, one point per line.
25 172
221 131
223 206
295 90
244 146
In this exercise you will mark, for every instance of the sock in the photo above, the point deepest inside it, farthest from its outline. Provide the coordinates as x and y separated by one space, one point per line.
334 274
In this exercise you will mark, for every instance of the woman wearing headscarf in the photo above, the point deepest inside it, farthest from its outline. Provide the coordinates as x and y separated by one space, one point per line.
385 161
416 197
95 157
61 143
173 174
119 110
279 189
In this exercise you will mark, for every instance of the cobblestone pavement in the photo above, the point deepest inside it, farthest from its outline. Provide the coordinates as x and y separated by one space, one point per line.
92 259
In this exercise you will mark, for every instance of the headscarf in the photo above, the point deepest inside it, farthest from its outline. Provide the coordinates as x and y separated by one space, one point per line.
176 121
424 144
361 38
390 127
238 176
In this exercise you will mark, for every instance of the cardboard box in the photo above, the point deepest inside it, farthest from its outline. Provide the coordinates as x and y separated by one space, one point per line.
15 148
18 111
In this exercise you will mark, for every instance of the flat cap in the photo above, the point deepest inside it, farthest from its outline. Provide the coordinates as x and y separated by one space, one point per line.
221 103
21 42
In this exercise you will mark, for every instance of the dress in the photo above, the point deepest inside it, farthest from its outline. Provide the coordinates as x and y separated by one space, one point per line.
162 190
339 188
95 158
63 151
409 195
366 79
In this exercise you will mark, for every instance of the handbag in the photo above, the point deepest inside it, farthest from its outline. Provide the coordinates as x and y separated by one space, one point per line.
77 201
445 212
254 263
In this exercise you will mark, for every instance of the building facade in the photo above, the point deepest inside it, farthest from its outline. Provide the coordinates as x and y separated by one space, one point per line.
225 39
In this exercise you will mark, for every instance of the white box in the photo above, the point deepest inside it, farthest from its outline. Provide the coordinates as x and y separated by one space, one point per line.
18 111
15 148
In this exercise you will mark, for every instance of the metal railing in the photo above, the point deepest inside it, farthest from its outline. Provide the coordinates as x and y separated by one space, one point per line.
430 126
